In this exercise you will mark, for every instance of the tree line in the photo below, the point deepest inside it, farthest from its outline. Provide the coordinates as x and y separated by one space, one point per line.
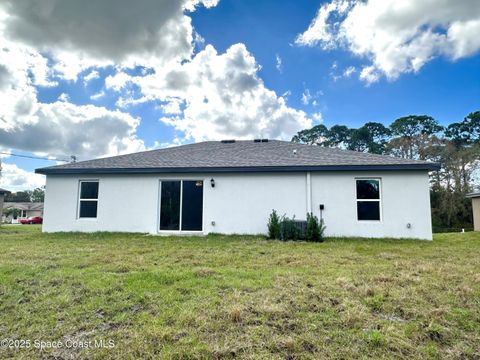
36 195
455 146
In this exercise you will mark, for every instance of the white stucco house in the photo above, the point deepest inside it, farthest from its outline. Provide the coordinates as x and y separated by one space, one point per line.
232 186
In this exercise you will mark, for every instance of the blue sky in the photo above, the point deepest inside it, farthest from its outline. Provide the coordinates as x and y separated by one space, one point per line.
239 69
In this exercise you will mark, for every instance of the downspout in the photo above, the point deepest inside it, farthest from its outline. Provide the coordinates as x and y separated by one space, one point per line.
309 192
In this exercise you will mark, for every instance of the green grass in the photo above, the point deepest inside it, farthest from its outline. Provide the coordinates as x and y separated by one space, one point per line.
240 296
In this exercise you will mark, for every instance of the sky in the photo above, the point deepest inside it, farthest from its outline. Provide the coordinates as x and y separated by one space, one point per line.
101 78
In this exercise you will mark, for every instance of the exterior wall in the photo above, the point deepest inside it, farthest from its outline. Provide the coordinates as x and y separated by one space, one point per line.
476 213
241 203
405 199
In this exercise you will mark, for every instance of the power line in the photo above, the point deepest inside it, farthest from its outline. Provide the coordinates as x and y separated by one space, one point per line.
32 157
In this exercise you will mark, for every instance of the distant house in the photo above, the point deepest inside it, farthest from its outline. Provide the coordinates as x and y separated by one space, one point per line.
2 195
476 209
232 186
26 209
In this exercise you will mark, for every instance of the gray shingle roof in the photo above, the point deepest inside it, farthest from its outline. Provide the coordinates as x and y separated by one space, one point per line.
3 191
215 156
23 205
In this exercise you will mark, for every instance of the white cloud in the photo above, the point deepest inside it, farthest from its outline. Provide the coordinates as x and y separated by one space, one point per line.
317 116
60 128
349 71
306 97
64 97
92 75
396 36
218 95
203 96
278 63
369 74
82 34
98 95
16 179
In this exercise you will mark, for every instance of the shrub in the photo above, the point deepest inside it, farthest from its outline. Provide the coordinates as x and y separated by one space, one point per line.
321 228
286 228
313 228
274 226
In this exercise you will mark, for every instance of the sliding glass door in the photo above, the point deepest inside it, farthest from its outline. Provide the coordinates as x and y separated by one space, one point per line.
181 205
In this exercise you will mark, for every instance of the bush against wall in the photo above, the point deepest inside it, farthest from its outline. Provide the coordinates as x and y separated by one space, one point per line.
274 226
285 228
315 229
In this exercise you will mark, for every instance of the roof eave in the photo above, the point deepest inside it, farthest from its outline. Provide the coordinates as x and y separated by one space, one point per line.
153 170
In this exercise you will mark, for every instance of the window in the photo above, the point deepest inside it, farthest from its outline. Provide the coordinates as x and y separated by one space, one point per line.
368 199
88 199
181 205
23 213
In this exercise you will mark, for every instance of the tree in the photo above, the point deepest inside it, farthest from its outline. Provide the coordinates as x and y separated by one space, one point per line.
314 136
19 196
466 132
13 212
371 137
411 134
338 136
37 195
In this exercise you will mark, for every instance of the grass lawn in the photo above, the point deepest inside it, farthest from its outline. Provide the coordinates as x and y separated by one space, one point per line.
239 296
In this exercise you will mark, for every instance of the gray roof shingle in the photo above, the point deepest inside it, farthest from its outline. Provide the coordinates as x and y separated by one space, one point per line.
23 205
216 156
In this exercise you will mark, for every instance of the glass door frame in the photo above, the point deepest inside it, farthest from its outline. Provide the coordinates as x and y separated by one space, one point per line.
159 204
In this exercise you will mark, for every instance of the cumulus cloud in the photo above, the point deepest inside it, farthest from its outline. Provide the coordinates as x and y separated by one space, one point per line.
396 36
202 94
15 179
81 34
62 128
59 128
216 96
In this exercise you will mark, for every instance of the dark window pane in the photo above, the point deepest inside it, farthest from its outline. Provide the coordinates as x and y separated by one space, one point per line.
170 205
368 189
192 204
368 210
88 209
89 190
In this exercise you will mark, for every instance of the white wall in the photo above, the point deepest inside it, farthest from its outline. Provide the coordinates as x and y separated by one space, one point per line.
241 203
404 199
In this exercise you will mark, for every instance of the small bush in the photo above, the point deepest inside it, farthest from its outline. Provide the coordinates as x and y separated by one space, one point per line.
286 228
274 226
313 228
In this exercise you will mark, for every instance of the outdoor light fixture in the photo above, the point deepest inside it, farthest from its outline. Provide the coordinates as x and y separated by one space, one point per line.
212 182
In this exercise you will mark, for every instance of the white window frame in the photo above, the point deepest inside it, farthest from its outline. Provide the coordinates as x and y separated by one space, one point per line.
23 214
379 200
80 199
159 207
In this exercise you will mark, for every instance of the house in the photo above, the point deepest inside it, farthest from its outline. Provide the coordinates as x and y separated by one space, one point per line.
2 196
232 186
476 210
26 209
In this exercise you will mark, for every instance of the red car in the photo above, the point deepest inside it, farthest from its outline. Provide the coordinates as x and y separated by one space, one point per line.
32 220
